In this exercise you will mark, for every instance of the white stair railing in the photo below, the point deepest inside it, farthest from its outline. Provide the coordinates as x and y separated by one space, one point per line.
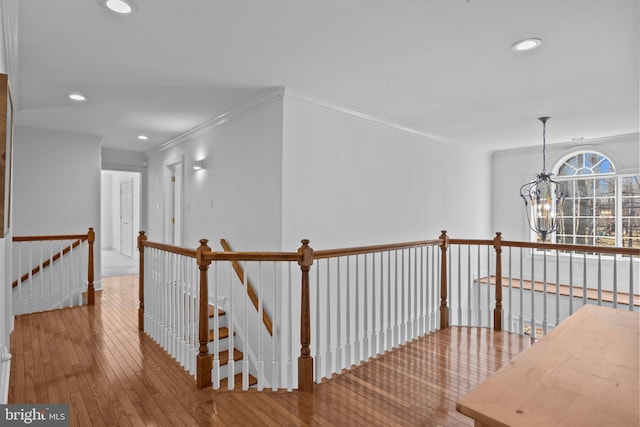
52 272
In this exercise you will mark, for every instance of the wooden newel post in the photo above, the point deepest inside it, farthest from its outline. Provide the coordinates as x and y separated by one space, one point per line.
497 312
204 359
141 239
91 293
444 309
305 361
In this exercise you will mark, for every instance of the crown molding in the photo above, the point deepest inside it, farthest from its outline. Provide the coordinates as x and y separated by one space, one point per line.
252 104
390 124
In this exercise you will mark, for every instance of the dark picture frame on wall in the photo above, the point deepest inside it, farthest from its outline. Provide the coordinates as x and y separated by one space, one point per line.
6 154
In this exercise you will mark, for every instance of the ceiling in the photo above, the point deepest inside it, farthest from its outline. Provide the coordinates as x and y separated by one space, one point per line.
442 67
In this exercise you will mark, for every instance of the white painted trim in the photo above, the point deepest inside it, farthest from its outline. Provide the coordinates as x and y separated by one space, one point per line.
259 101
390 124
572 146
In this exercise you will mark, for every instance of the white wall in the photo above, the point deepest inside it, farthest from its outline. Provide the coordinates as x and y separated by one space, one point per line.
237 195
56 184
513 168
351 181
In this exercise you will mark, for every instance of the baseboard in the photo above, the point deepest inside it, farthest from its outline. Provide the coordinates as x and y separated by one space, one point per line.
5 371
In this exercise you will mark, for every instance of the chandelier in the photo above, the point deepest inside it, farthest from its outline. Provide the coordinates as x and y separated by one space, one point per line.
544 197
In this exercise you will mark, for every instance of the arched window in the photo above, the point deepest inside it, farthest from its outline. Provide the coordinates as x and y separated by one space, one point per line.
603 207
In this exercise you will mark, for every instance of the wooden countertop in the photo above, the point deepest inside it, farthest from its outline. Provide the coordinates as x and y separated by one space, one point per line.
585 372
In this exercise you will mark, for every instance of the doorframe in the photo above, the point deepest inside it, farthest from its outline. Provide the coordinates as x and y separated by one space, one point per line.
171 202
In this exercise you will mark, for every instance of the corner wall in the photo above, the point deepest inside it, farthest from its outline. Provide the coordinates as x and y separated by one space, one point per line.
237 196
352 180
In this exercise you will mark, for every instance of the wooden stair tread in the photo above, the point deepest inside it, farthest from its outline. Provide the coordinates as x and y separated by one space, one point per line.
237 380
223 333
212 310
224 356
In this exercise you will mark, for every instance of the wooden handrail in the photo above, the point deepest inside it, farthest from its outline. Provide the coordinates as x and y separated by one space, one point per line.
331 253
51 237
78 239
552 246
266 319
251 256
191 253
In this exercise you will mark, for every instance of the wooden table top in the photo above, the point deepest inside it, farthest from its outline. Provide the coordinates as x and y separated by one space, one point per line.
585 372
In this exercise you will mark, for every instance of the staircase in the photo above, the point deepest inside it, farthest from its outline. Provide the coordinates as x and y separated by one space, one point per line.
223 336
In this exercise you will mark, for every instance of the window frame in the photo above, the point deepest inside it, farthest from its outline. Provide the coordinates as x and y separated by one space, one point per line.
618 176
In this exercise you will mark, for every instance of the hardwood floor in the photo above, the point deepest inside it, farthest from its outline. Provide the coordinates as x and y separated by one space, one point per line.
94 359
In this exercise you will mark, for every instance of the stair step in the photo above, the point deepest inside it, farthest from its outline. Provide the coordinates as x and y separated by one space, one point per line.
222 333
212 310
237 380
224 356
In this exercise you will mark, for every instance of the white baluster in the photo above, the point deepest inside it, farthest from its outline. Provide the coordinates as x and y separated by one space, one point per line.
348 349
521 314
357 344
584 280
328 345
570 283
245 328
366 347
557 287
290 332
260 331
340 359
319 357
599 278
532 322
615 280
275 376
230 339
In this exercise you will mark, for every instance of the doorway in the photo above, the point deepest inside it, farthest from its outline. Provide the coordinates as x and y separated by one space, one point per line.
120 222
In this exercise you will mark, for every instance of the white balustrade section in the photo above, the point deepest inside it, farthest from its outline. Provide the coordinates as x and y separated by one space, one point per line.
540 288
365 304
267 358
171 295
49 274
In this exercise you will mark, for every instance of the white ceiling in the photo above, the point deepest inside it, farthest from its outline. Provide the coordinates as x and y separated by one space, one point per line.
443 67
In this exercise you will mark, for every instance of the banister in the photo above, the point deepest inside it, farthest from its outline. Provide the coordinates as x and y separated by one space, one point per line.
266 319
574 248
444 309
191 253
331 253
251 256
35 270
90 237
82 237
204 359
497 312
142 240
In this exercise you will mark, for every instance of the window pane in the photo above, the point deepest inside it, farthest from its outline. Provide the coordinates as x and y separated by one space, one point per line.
630 227
604 166
630 206
584 207
566 170
606 187
590 159
606 207
584 240
564 239
584 187
605 241
631 186
584 226
606 227
566 226
631 242
567 208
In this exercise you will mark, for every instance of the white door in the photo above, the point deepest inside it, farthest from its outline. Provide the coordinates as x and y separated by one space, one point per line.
126 217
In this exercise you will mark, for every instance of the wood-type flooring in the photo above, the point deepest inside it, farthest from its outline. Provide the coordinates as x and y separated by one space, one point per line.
94 359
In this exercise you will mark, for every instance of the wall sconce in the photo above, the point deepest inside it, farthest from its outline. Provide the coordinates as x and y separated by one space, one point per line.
198 165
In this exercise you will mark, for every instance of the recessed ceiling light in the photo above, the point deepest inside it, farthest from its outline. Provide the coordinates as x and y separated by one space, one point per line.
527 44
119 6
578 138
77 97
143 137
